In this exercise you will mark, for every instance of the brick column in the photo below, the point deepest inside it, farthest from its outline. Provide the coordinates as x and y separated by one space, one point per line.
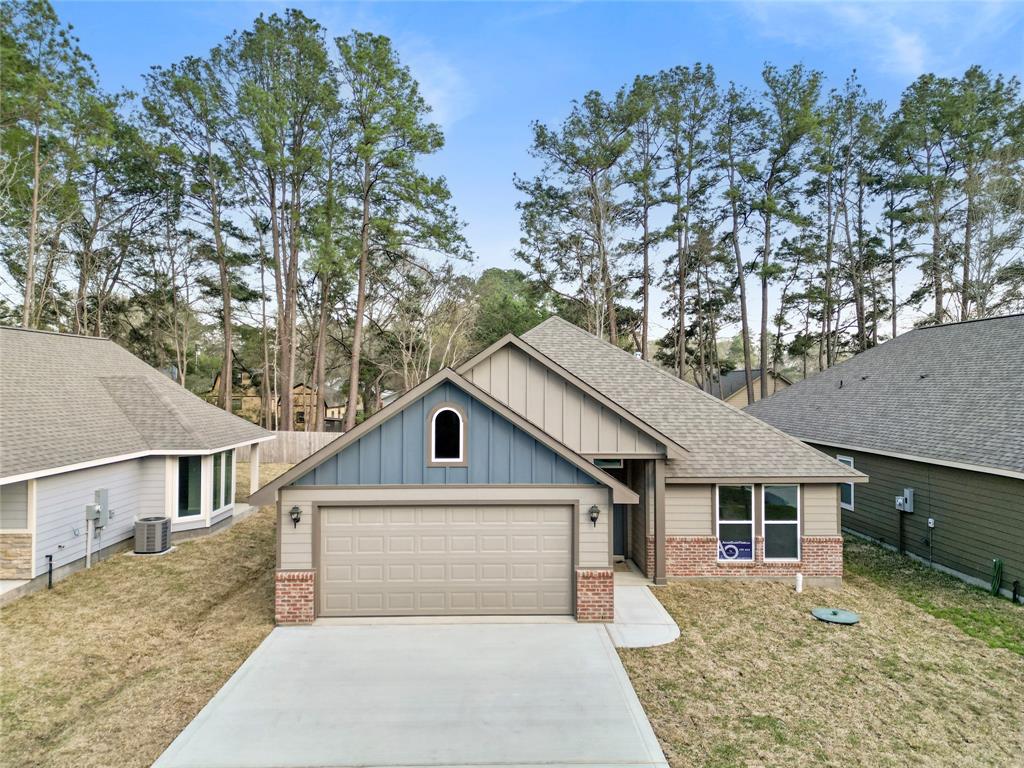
595 594
294 597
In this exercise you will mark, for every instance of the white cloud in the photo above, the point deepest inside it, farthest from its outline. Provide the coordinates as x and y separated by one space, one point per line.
442 84
901 39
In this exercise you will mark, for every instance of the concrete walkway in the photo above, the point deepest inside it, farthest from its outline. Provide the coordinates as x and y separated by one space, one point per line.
424 695
640 620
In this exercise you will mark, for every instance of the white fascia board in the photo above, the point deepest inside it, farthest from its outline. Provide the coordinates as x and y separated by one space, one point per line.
127 457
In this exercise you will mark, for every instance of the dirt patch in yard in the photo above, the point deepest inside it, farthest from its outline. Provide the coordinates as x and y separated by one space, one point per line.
754 680
109 666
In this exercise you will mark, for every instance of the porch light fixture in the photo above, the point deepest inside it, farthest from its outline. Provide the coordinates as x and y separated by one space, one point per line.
595 512
296 515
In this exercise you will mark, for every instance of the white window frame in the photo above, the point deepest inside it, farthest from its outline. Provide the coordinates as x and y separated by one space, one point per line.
798 523
848 461
227 493
462 437
718 524
176 489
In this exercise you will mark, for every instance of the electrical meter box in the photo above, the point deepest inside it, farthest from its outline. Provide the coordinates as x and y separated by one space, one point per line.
905 503
99 512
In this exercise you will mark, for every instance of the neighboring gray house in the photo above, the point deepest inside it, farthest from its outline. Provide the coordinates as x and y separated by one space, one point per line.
519 482
80 415
732 386
938 411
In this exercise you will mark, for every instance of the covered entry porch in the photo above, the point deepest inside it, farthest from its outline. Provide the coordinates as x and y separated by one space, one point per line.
636 552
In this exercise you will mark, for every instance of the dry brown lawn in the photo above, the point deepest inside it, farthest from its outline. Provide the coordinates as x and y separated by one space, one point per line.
754 680
108 667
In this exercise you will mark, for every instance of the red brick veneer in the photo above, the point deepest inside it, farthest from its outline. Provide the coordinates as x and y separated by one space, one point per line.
595 595
649 562
294 597
689 556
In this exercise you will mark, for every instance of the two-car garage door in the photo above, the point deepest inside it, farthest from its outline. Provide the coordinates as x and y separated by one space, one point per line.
445 560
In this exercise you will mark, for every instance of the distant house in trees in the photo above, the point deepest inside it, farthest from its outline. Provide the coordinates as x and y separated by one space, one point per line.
247 402
732 386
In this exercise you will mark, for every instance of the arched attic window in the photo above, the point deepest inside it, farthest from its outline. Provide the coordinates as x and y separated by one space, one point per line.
447 436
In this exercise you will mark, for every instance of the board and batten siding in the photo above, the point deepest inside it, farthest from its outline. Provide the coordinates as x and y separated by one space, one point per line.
561 409
134 488
977 516
395 452
296 545
690 509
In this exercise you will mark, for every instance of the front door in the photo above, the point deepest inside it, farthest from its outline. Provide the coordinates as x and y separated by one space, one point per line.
619 531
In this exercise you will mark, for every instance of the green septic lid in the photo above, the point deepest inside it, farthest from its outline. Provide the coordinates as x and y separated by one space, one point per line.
835 615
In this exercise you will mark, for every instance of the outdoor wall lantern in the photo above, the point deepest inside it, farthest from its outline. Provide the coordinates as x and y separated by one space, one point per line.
595 512
296 515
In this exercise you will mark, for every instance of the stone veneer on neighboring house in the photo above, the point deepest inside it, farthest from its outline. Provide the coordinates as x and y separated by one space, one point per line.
15 555
821 560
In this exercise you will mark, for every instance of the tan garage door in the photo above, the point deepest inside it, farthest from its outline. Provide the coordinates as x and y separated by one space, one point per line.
402 561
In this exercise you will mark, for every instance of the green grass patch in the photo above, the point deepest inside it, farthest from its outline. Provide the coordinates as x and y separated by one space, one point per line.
994 620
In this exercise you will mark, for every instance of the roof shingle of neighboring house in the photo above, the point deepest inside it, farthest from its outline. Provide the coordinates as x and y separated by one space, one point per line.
720 441
734 381
68 400
949 393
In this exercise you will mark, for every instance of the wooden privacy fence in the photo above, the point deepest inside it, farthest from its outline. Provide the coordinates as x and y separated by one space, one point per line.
289 447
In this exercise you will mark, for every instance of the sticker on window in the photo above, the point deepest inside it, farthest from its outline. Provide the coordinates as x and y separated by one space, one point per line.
735 550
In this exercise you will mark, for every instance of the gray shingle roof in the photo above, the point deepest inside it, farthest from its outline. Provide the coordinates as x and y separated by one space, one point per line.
721 441
952 393
67 400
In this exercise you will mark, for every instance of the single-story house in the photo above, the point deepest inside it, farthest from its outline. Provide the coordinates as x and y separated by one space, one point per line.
732 386
516 484
936 418
83 422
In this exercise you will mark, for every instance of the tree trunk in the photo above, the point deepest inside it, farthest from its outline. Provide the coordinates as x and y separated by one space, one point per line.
744 321
33 225
357 325
646 287
283 413
965 291
892 263
320 357
765 258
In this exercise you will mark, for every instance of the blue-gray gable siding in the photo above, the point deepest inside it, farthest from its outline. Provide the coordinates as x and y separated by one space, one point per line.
394 453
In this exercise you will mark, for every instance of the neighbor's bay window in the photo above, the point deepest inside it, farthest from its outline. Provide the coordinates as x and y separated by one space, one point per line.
781 504
734 513
190 473
223 491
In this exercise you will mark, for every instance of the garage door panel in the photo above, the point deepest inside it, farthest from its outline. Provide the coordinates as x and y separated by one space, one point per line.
445 560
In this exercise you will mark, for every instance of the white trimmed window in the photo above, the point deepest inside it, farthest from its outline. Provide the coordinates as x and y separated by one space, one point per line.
190 473
447 438
781 505
734 518
846 489
223 486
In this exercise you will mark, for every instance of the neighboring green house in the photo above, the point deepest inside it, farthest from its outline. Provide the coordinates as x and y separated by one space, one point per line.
939 412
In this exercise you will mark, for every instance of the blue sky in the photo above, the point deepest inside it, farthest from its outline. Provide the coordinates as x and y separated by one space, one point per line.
488 69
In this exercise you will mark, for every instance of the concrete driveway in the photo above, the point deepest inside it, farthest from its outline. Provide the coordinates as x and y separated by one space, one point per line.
423 695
